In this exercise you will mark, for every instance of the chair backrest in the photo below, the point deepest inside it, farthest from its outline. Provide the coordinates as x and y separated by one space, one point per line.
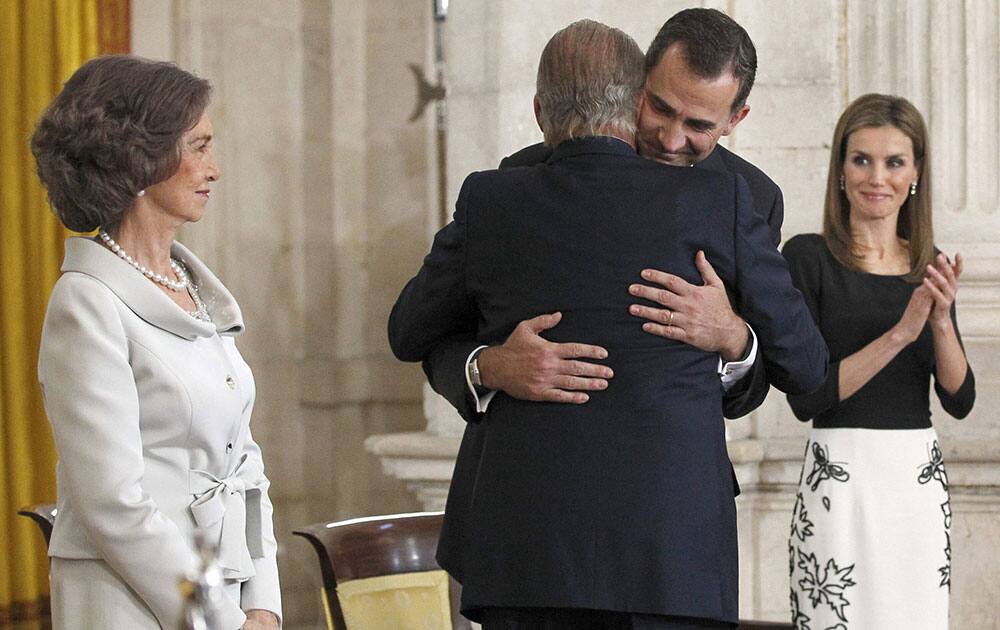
394 544
44 515
377 546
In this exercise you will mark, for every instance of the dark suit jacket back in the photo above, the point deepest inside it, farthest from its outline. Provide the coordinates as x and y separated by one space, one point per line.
443 365
625 503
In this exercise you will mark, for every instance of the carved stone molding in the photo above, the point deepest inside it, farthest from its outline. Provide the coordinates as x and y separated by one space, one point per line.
422 460
425 459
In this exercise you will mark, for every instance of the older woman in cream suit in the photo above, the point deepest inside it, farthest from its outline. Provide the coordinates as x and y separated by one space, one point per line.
148 397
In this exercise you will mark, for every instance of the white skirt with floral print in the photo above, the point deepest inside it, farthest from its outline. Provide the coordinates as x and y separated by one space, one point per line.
869 547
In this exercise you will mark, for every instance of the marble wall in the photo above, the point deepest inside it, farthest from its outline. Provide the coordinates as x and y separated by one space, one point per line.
328 201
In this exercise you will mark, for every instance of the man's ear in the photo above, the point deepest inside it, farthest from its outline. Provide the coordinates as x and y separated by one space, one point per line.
537 104
735 120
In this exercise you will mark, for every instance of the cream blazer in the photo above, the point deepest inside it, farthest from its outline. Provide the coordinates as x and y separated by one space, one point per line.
150 409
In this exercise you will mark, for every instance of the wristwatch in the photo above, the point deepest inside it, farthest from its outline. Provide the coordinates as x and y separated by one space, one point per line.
474 376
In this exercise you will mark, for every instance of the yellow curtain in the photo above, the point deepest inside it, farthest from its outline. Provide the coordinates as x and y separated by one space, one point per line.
41 43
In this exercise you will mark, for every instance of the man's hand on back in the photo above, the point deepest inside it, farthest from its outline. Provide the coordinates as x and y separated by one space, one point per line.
697 315
529 367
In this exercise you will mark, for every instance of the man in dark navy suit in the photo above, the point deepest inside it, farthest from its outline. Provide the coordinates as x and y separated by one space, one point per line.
619 512
700 69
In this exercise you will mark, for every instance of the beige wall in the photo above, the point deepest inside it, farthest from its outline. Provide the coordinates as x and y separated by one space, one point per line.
326 207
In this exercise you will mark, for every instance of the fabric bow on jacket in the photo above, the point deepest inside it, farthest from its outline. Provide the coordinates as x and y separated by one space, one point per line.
235 501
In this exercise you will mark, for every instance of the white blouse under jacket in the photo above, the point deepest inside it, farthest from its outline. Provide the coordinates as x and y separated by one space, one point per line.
150 409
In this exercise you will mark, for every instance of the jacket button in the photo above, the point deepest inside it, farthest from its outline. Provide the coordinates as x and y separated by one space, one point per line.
230 382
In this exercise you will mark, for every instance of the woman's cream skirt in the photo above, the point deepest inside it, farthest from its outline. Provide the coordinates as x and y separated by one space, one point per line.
869 547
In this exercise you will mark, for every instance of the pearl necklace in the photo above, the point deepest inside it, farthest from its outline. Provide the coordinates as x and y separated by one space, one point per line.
182 282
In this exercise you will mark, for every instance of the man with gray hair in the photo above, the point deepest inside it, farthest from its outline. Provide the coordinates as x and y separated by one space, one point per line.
595 97
618 513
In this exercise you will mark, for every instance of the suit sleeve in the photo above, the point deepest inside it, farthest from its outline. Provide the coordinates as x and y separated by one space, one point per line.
776 217
435 304
749 392
445 365
795 355
92 402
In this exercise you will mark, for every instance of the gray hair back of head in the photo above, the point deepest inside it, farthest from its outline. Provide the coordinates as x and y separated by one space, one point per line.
589 79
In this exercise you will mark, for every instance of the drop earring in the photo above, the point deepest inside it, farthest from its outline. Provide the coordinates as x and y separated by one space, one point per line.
842 183
913 188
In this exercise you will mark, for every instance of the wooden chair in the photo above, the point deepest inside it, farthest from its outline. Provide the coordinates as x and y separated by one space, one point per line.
377 546
44 515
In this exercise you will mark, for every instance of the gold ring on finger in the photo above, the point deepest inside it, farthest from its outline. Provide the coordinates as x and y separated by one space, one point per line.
670 320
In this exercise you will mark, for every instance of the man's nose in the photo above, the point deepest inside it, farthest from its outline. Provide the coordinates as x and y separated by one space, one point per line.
672 137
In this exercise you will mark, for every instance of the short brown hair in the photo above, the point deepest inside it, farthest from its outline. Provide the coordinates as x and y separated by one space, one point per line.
114 129
914 223
589 79
712 43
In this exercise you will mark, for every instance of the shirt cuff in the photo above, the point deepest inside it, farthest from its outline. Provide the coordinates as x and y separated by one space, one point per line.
482 401
733 371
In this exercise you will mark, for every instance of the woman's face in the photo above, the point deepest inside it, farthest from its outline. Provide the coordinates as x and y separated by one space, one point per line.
879 168
183 196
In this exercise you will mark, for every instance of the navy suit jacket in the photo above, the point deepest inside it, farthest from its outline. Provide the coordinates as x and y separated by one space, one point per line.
626 502
445 366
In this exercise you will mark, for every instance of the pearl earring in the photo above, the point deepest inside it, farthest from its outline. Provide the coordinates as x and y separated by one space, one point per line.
842 182
913 188
141 193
